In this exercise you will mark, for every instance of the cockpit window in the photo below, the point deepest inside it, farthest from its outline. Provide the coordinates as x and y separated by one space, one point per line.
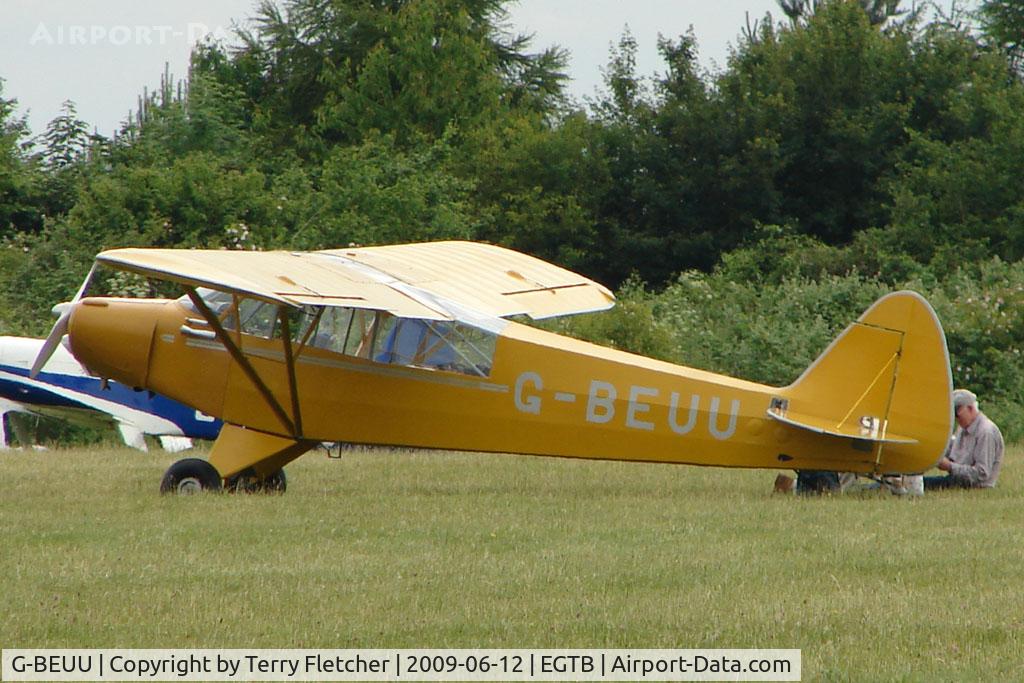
257 317
332 329
215 299
441 345
384 338
221 303
374 335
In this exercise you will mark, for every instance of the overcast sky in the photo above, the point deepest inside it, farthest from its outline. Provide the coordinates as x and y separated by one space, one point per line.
101 53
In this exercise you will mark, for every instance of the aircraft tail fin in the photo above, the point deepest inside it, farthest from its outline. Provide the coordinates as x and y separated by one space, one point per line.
884 383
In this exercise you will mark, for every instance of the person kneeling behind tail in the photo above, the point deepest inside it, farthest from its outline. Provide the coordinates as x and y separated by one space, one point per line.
976 454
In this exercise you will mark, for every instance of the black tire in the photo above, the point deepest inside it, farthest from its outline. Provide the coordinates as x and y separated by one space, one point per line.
276 482
189 476
247 482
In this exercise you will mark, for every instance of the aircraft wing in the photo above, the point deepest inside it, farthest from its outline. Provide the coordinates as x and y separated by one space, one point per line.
132 436
175 444
487 278
430 280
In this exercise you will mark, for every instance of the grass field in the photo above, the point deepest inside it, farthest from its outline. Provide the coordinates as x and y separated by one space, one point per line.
393 549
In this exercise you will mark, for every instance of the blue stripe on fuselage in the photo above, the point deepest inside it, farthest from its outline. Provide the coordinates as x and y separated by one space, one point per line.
161 406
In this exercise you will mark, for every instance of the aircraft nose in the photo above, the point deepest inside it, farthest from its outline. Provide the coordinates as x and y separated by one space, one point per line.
112 338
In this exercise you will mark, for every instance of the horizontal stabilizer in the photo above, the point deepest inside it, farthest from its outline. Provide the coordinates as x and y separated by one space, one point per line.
870 429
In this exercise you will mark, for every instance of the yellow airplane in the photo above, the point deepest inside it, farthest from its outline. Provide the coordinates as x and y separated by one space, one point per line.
412 345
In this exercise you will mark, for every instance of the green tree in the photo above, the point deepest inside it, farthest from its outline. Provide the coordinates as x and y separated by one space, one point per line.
830 127
427 73
202 114
805 128
342 68
878 11
1003 24
654 140
196 201
377 193
19 178
66 138
828 98
66 143
536 185
957 189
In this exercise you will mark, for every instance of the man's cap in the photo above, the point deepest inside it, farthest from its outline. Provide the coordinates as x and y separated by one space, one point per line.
962 397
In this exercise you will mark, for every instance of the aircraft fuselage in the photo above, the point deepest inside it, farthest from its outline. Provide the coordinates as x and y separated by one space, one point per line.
541 394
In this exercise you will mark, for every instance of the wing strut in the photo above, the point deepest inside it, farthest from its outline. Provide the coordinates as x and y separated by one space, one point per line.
242 361
289 359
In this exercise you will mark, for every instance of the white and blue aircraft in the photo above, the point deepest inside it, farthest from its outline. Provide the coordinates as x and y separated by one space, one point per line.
63 389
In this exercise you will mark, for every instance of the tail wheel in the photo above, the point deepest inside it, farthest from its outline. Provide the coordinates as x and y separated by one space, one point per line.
248 482
189 476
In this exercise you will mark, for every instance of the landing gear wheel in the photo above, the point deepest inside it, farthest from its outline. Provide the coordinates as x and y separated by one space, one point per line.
248 482
189 476
275 482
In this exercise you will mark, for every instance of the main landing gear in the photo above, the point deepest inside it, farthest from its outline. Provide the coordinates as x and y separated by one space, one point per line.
193 475
241 460
249 482
189 476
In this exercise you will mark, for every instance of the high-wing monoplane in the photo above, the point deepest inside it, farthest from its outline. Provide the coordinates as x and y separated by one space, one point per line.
65 390
415 345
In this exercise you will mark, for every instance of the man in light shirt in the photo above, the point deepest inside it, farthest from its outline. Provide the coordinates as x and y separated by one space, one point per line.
976 455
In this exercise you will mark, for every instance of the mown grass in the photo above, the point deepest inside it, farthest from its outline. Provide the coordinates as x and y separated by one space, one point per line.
402 549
